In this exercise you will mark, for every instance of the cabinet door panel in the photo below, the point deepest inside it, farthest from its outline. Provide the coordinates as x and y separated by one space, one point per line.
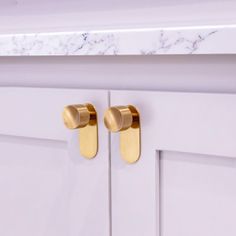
198 194
196 124
46 187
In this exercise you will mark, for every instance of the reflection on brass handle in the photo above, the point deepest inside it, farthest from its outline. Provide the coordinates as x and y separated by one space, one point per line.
125 119
84 118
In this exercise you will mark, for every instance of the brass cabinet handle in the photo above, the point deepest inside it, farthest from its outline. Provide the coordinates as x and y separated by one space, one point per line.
125 119
84 118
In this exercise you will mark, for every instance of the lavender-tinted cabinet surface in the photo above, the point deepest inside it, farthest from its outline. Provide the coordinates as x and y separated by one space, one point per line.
184 182
46 187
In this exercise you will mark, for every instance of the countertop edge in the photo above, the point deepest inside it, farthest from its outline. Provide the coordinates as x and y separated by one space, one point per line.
214 39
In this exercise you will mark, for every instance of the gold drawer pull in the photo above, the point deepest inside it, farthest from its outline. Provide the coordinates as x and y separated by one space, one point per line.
125 119
84 118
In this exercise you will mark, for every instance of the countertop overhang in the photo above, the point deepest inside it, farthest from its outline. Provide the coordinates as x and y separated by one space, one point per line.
214 39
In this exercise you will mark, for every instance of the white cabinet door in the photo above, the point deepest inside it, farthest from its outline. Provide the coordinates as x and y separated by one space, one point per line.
185 181
46 187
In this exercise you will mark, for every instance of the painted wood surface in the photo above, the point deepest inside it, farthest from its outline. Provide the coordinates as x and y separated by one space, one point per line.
156 195
47 188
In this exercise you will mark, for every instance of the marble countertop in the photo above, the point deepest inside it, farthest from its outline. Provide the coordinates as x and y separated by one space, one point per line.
216 39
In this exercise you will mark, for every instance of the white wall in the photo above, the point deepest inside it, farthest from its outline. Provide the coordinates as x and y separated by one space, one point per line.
57 15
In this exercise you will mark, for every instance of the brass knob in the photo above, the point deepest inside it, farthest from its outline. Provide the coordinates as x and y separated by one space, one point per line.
84 118
126 120
76 116
118 118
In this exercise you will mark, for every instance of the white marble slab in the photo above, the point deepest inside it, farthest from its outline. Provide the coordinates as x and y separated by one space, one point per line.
219 39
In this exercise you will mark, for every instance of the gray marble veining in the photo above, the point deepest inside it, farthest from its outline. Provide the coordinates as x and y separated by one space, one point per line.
145 41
